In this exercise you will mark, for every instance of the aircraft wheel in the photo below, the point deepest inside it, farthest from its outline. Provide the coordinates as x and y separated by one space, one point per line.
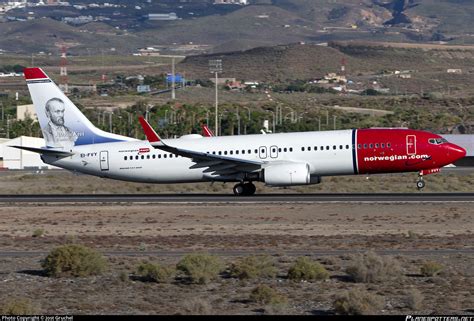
420 184
239 189
249 189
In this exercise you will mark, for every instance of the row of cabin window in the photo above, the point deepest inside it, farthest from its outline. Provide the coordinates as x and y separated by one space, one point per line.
315 148
377 145
153 156
248 151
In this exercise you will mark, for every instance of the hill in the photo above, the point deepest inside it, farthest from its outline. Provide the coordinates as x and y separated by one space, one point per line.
234 28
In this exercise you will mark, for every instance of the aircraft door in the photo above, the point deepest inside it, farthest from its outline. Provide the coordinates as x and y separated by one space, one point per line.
273 151
104 160
411 144
262 152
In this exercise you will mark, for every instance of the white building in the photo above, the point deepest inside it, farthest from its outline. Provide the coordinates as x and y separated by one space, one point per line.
26 111
14 158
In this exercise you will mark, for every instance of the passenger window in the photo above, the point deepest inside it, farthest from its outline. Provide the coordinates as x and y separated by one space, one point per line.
147 156
359 146
249 151
143 157
284 149
274 150
322 147
365 146
136 157
159 155
388 145
214 152
225 152
376 145
371 145
165 156
154 156
243 151
220 153
309 149
237 152
315 148
341 147
279 150
302 149
327 147
291 149
347 146
382 145
334 147
256 151
125 158
232 152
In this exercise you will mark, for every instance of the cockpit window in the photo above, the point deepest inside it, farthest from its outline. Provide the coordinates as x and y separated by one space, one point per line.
437 141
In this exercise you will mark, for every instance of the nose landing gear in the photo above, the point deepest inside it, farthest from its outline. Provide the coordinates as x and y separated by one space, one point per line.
420 184
244 189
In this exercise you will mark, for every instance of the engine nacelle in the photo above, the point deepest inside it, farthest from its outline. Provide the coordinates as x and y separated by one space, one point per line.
287 174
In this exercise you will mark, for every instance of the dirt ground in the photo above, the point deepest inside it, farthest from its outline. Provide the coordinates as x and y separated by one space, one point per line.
162 233
283 230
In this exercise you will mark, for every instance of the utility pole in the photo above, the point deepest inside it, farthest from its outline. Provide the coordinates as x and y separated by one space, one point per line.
215 66
173 90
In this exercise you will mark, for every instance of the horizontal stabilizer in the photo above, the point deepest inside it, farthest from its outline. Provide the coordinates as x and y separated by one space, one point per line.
45 151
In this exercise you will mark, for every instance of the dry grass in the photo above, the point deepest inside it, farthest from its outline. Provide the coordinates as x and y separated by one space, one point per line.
373 268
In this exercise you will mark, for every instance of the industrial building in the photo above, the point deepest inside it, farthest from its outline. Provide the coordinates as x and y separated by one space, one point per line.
14 158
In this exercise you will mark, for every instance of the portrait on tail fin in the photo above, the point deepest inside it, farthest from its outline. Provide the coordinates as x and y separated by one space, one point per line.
56 133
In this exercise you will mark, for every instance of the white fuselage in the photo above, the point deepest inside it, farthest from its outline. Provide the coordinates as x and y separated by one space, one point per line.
138 161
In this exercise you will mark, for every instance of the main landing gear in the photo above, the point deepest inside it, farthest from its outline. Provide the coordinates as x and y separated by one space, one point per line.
244 189
420 183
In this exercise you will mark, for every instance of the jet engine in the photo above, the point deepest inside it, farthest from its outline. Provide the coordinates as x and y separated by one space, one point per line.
288 174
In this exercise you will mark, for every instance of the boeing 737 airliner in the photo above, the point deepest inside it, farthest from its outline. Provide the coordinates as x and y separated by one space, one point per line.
284 159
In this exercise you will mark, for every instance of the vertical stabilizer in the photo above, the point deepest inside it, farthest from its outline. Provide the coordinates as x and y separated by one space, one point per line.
62 123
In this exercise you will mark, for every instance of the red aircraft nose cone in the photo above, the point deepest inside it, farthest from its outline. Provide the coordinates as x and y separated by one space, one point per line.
457 152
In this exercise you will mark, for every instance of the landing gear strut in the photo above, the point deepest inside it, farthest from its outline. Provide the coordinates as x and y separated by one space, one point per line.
244 189
420 183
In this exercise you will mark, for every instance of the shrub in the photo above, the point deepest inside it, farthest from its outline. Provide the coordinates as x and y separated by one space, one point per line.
264 294
431 268
38 232
18 306
357 302
306 269
252 267
414 299
73 260
370 268
155 272
200 268
197 307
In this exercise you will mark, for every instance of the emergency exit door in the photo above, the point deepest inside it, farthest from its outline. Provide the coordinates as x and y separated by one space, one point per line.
104 160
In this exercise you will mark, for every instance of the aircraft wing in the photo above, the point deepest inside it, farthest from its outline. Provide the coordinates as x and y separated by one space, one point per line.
215 164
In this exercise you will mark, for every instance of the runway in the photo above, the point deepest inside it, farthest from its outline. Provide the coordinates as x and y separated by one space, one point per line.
231 199
237 253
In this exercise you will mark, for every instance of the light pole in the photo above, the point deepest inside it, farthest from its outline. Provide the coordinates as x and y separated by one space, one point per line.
238 121
215 66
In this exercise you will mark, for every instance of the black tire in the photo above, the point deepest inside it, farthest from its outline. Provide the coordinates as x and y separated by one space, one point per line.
250 189
420 184
239 189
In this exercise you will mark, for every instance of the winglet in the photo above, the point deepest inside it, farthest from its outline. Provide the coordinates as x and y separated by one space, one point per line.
206 132
34 73
150 133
